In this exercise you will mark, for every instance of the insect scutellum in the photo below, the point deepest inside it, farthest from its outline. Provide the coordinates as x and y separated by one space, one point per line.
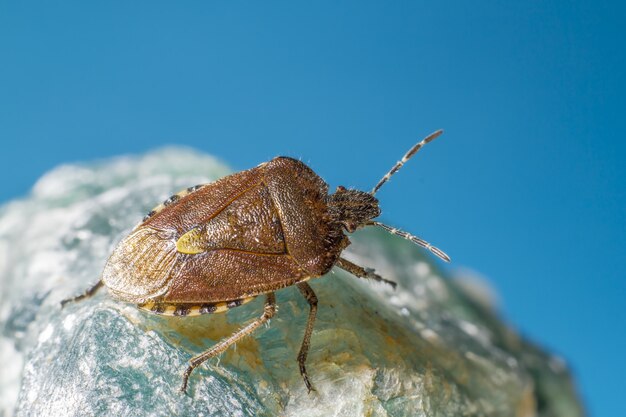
354 209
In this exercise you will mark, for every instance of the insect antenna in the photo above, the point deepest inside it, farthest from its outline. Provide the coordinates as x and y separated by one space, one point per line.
405 158
420 242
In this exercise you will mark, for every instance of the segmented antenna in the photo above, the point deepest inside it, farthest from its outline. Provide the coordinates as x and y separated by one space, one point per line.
421 242
405 158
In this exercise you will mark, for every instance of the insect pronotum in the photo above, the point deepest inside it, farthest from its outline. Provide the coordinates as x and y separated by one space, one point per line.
216 246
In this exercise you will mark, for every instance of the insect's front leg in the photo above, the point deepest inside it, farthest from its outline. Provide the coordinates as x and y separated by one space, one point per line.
361 272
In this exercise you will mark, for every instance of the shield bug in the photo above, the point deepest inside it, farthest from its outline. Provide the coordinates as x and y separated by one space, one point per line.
216 246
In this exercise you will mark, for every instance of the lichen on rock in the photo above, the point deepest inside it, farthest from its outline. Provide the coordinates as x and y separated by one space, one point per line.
429 348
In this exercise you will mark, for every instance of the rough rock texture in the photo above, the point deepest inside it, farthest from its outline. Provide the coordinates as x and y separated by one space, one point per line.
427 349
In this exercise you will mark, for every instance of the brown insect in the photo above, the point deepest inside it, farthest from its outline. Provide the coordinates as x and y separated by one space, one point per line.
216 246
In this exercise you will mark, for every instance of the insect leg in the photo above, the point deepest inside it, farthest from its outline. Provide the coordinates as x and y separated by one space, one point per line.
268 312
361 272
91 291
311 298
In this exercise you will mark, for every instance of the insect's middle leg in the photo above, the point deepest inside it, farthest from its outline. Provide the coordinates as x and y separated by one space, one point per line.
268 312
361 272
311 298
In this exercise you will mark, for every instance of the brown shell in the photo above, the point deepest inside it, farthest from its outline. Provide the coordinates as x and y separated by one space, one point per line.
260 230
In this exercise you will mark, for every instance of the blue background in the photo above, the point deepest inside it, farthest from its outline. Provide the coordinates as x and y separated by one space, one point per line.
527 185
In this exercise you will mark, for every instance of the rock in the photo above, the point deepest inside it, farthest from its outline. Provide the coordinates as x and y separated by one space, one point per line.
429 348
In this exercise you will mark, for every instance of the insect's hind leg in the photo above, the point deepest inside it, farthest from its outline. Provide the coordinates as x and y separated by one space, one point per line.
361 272
268 312
311 298
91 291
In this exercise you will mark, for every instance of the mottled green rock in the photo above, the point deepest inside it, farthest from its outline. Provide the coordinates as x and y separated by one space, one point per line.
427 349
